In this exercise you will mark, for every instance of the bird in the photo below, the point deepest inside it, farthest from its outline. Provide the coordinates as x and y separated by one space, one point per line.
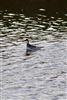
31 48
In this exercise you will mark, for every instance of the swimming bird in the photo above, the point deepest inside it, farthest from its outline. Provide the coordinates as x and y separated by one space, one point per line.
31 48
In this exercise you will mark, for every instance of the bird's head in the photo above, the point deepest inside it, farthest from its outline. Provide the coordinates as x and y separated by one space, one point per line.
27 41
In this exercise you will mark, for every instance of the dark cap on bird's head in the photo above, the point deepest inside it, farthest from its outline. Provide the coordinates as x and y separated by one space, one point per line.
27 40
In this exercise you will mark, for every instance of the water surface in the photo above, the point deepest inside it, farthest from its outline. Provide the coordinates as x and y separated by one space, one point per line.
41 75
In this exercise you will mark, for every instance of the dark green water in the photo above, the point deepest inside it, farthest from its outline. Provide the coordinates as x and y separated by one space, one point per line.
37 26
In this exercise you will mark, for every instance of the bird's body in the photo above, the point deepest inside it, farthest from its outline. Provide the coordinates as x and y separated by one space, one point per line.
31 48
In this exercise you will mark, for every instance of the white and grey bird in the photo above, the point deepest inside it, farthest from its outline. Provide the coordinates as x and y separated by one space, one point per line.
31 48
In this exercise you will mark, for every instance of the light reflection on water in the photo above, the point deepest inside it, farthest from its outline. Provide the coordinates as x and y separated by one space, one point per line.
18 26
42 75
